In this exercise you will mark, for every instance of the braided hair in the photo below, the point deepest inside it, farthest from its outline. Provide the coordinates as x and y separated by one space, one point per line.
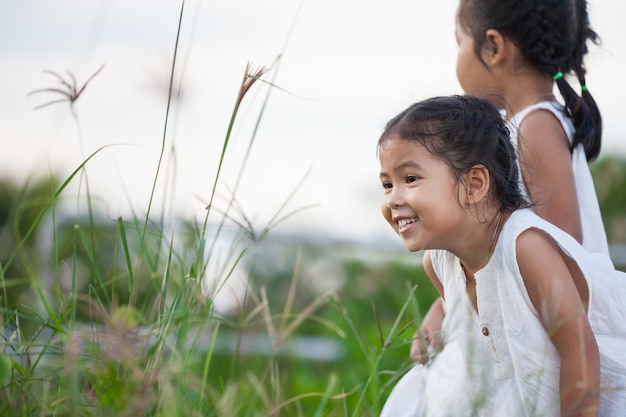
552 37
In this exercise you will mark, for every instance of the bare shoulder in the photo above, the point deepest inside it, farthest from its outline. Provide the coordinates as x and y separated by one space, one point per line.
541 265
539 258
541 130
532 241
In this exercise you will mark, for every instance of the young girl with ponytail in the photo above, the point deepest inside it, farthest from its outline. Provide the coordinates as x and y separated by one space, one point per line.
512 53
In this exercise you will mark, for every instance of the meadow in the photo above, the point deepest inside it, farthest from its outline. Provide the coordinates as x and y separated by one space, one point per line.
116 319
126 316
120 316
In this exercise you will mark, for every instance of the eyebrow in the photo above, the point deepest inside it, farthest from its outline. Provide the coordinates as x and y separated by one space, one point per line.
407 164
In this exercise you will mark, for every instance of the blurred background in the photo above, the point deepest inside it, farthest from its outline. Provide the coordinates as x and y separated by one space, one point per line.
344 69
304 273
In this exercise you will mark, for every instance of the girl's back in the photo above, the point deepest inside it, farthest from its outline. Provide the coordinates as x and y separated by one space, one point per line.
519 50
593 233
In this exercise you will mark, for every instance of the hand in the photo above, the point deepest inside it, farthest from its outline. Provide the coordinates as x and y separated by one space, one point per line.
427 339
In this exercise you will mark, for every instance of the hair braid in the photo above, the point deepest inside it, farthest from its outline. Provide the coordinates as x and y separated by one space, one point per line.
584 32
552 37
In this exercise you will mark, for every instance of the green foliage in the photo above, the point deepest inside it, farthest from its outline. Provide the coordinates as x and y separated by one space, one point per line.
5 368
610 179
118 318
104 317
98 347
19 207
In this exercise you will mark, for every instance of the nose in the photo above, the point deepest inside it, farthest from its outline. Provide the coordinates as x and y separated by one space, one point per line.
394 199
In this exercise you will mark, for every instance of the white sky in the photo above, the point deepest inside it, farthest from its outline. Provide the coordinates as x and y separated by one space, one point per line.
349 65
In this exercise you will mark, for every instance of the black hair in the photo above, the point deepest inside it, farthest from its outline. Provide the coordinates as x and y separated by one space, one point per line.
552 36
463 131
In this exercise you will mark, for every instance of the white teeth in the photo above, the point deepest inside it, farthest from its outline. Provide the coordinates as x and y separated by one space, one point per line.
404 222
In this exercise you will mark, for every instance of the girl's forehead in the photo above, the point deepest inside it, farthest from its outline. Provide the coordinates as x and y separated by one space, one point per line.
395 142
397 150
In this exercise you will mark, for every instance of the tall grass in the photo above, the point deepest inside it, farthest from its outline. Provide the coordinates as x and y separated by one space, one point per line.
128 326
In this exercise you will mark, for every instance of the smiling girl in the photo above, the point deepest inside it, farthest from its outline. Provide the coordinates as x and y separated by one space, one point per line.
538 320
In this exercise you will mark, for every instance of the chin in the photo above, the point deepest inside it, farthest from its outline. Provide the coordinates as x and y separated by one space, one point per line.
412 247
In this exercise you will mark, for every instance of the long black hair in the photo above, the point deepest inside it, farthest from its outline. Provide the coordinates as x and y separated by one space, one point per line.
552 36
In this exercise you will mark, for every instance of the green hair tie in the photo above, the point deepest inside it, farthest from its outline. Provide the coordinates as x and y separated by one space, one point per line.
557 76
584 88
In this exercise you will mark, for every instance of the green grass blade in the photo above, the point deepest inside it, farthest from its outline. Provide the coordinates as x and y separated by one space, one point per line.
129 266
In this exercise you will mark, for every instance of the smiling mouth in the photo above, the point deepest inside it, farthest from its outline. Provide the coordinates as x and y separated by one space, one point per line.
403 223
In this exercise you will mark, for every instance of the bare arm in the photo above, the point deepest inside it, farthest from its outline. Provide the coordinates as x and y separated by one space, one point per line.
429 333
546 165
554 294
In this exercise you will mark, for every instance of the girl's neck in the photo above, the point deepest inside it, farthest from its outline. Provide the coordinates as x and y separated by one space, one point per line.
478 259
525 90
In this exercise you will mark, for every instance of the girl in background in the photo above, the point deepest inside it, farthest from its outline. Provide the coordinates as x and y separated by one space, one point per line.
512 52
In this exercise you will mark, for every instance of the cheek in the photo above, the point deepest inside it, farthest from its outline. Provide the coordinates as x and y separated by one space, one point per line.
458 72
461 69
386 211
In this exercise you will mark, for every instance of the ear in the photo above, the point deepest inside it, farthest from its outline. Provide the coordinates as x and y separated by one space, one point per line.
477 183
496 47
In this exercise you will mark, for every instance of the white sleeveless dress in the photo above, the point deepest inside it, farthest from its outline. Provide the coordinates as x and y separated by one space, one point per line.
594 235
505 362
426 379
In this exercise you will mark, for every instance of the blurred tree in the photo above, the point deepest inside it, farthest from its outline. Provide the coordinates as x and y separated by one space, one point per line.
610 178
19 208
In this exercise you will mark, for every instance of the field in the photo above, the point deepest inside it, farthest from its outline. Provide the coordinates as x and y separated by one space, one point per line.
143 316
151 315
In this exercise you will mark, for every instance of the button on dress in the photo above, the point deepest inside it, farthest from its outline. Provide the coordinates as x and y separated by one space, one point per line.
499 360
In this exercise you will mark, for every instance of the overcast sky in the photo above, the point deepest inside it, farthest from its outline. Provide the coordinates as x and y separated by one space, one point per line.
346 67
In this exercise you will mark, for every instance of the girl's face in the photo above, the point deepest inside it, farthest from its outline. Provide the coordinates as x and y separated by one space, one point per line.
421 199
471 72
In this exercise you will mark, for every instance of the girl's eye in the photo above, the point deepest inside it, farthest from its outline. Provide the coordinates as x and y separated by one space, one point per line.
387 185
411 178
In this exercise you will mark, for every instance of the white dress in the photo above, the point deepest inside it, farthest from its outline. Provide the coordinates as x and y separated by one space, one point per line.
449 361
594 235
508 365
